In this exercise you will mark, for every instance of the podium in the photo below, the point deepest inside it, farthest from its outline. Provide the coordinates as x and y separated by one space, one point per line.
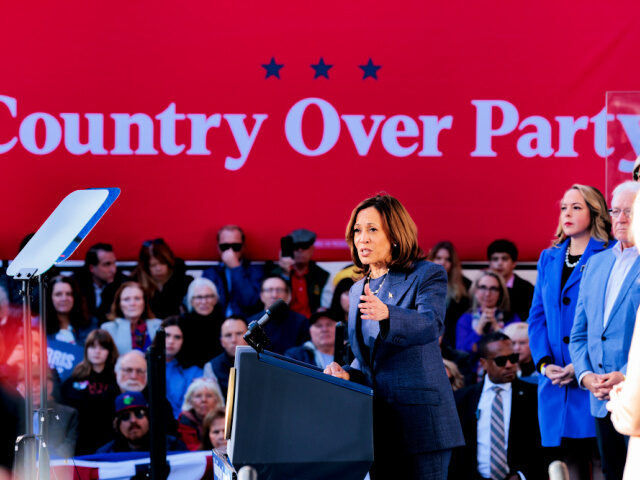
288 420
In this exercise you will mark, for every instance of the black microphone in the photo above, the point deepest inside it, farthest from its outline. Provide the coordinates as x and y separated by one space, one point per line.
256 336
277 310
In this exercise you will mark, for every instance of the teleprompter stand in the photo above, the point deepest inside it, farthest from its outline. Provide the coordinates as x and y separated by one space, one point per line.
54 242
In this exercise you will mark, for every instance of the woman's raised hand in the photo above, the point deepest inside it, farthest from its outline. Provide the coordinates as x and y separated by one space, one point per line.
372 308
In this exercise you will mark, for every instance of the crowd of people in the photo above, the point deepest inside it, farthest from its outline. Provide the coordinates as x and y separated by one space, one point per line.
540 360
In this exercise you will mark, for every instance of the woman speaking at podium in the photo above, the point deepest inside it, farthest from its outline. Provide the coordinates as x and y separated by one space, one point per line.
395 318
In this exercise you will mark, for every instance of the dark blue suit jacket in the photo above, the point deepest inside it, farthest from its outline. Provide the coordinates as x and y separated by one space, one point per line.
414 410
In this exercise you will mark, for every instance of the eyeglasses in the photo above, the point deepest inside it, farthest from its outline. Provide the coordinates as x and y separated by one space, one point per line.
615 212
501 361
484 288
125 416
226 246
138 372
203 298
274 290
302 245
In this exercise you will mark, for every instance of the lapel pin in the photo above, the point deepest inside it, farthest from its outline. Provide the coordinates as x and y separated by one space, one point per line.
390 295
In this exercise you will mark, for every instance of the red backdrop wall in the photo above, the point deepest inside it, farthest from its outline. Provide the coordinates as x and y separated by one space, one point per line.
516 92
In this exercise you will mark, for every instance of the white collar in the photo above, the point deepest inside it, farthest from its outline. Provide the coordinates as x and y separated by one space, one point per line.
488 385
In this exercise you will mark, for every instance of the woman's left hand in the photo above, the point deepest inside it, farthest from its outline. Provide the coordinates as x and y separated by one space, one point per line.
372 308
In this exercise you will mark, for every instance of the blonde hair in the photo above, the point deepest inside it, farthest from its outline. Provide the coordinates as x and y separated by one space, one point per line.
458 380
600 221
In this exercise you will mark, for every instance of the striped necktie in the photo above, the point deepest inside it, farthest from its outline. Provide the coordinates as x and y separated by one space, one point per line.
499 466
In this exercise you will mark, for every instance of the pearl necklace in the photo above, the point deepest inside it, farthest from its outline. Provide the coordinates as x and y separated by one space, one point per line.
383 280
566 259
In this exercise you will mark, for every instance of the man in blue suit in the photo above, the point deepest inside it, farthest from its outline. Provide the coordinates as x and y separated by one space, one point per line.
605 316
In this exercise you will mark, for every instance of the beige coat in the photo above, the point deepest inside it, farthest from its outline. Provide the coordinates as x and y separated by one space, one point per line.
625 406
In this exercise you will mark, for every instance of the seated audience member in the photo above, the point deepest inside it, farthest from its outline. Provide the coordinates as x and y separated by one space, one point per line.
319 350
68 319
231 335
236 279
203 396
131 375
308 281
499 420
99 279
213 427
131 426
503 256
163 277
454 375
462 361
288 331
178 377
489 311
518 332
91 390
444 253
62 421
201 323
13 286
340 300
132 324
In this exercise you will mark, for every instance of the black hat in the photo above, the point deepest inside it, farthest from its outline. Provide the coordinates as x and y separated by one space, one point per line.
323 313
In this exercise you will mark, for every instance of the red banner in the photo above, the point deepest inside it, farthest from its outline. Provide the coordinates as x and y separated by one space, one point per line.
282 115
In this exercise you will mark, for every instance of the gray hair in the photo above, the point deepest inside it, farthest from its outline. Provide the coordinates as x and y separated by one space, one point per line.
198 384
628 186
200 282
130 352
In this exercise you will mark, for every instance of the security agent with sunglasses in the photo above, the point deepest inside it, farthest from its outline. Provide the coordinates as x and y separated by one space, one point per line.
237 280
131 424
499 420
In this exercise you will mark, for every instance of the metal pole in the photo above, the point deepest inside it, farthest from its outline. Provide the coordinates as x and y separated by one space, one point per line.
156 360
43 413
29 440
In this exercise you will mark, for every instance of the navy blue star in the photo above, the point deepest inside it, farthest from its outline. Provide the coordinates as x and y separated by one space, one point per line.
321 68
370 70
272 68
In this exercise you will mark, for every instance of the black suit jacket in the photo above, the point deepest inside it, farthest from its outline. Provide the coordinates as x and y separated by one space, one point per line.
524 451
520 297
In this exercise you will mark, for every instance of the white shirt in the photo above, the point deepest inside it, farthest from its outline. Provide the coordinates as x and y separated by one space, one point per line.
624 260
483 415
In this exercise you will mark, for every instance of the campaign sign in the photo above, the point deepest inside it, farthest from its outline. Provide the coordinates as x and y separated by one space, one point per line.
63 357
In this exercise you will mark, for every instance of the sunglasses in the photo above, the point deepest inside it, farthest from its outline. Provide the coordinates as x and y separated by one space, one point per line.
155 241
125 416
501 361
226 246
302 245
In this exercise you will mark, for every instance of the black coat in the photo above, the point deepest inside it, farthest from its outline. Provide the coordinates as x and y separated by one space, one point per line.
524 451
520 297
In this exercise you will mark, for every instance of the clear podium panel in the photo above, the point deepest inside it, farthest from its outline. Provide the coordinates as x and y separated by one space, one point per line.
291 421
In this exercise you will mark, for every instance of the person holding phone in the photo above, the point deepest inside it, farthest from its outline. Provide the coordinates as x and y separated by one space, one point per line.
235 278
309 282
396 315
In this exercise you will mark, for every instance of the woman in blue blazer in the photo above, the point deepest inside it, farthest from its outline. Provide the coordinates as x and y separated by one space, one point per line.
396 316
563 407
